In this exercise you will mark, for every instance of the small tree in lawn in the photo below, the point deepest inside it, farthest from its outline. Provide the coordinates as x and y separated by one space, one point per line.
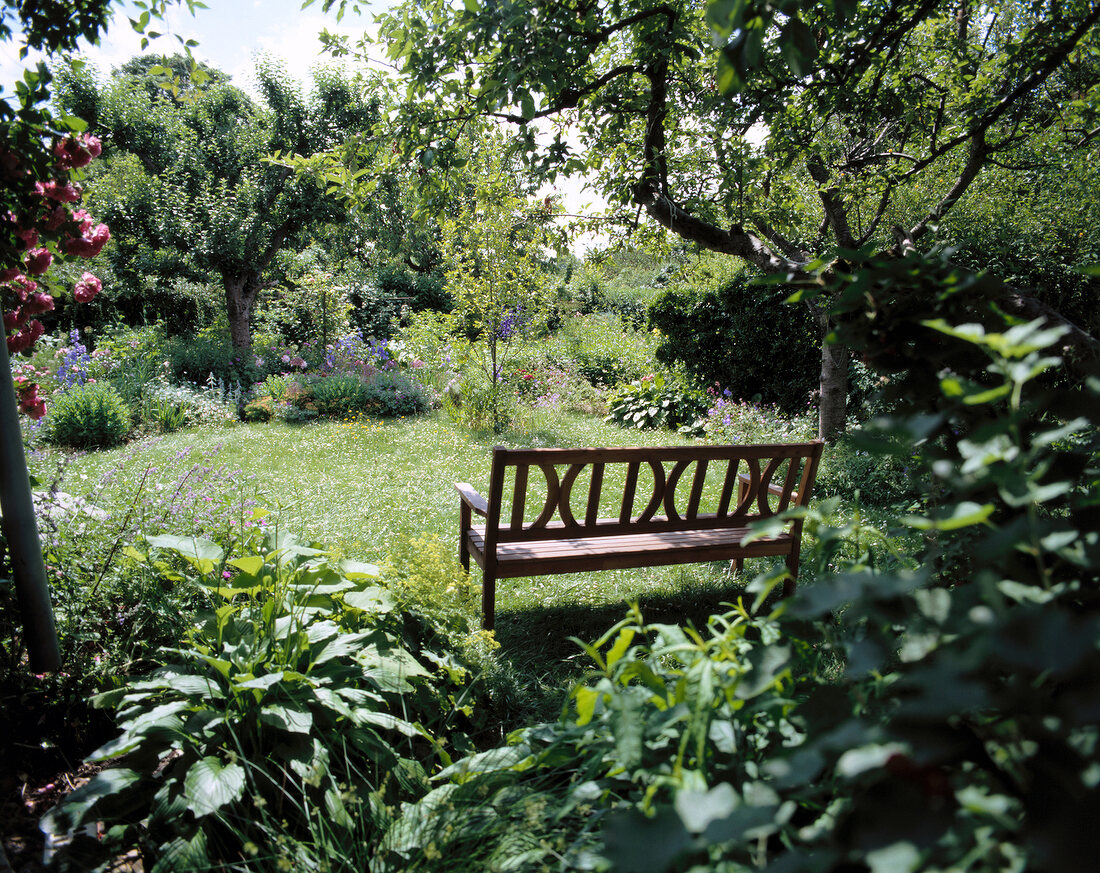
493 246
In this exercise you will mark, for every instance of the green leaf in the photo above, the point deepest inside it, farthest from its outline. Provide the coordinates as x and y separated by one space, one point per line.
961 515
202 554
373 599
359 570
698 809
252 565
210 785
71 812
299 721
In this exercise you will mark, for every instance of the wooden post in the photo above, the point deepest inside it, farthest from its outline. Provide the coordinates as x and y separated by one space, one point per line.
21 532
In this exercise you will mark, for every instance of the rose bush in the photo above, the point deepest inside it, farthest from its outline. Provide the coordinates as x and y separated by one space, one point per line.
36 237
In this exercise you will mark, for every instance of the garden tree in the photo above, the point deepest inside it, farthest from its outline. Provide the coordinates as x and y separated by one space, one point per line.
858 106
495 245
40 161
188 178
1034 221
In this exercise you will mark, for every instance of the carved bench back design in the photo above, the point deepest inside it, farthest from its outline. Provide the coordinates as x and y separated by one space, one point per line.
692 487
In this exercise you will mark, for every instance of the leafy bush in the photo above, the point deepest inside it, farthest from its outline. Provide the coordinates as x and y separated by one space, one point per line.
480 404
933 713
338 395
210 353
652 402
602 349
393 393
296 713
111 614
745 338
88 416
879 480
132 360
731 421
259 409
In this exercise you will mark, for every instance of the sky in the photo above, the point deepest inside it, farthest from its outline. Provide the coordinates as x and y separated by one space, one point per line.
231 33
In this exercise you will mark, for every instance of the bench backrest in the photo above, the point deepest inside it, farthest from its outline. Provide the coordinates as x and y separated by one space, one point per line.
632 490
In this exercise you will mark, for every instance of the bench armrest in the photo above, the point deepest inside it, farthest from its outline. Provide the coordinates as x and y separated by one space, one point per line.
746 479
472 499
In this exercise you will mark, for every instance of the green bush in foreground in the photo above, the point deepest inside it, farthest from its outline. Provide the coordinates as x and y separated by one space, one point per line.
299 711
88 416
928 716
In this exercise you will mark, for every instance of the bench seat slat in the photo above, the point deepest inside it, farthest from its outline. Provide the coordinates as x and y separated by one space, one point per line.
577 554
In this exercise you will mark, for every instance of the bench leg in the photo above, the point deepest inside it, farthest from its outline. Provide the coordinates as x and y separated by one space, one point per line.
488 599
463 533
737 565
792 565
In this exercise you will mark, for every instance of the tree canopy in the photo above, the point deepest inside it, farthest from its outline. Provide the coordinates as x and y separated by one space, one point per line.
780 133
188 182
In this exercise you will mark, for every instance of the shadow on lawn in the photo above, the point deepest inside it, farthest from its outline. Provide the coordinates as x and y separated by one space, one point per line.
537 640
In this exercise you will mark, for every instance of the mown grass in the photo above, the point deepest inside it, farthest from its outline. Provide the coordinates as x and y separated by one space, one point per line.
365 486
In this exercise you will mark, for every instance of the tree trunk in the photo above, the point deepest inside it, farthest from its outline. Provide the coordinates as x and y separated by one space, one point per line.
240 293
21 532
833 408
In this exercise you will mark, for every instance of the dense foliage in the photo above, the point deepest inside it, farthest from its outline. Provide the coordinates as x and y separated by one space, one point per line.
927 715
763 131
741 338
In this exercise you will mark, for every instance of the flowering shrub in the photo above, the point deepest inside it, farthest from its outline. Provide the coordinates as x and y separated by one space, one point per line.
729 420
31 238
74 361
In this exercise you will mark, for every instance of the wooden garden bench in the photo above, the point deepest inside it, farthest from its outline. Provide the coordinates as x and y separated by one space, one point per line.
683 518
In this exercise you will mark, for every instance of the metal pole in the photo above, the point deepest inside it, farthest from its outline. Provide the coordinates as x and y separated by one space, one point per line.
21 531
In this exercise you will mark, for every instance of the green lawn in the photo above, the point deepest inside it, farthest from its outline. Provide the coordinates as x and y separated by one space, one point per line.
363 487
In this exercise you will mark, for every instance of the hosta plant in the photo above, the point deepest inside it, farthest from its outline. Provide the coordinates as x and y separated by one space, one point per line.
294 708
653 402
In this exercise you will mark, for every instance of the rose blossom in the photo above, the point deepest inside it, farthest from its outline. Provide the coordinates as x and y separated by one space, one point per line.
38 261
87 288
88 246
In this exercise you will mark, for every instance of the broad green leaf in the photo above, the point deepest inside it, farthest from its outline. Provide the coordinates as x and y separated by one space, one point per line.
962 515
210 785
194 548
287 718
252 565
260 683
698 809
71 812
387 721
372 599
184 854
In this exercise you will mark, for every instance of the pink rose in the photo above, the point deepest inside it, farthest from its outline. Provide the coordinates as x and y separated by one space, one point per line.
78 152
23 286
26 338
9 273
14 319
38 261
67 193
88 246
54 218
87 288
28 236
39 303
